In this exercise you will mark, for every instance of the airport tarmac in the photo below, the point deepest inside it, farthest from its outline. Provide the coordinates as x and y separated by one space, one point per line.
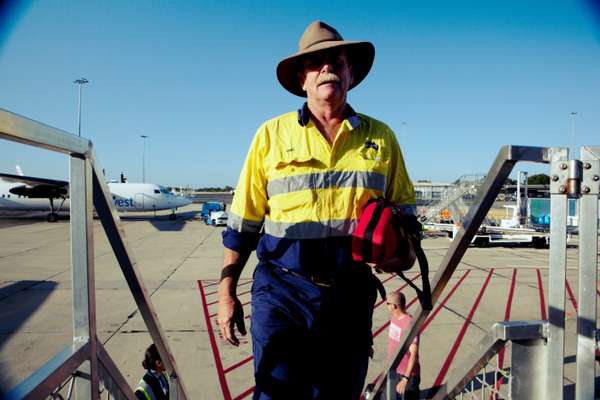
180 263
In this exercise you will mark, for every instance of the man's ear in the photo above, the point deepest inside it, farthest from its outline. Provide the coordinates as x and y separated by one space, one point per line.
302 79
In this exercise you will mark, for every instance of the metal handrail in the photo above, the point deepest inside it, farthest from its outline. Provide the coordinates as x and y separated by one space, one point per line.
87 354
538 364
488 347
501 168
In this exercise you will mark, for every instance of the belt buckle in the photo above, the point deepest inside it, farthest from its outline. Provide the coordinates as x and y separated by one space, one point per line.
321 281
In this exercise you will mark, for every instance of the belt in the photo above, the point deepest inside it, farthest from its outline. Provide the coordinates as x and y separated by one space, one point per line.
318 280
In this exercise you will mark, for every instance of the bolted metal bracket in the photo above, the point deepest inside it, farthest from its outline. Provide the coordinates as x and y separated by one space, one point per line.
590 183
559 177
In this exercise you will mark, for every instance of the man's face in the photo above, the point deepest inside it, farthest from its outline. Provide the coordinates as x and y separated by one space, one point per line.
327 75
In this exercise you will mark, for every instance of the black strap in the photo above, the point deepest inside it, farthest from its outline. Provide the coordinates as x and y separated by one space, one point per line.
425 294
380 287
368 235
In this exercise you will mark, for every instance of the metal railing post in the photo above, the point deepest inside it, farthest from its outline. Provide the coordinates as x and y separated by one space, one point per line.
110 220
82 261
558 265
588 258
528 371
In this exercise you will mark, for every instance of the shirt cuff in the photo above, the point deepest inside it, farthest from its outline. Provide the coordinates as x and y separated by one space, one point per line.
242 242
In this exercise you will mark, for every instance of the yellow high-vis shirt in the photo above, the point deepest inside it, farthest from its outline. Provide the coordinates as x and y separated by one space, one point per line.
297 185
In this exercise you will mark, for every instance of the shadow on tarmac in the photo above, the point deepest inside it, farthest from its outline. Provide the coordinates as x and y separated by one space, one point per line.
162 222
16 310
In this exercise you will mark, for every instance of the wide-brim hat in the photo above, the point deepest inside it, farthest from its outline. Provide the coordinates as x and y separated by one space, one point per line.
320 37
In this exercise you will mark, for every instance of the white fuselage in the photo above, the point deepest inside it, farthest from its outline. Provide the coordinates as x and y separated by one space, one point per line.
125 196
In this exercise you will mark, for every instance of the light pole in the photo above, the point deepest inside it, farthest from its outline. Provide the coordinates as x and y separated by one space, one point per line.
573 115
80 82
144 158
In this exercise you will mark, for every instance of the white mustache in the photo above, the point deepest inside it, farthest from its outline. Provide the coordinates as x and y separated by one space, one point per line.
328 77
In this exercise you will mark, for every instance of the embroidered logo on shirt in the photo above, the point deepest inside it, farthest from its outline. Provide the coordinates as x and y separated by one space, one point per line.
369 144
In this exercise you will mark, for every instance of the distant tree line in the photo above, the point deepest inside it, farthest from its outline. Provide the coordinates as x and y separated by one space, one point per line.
215 189
206 189
537 179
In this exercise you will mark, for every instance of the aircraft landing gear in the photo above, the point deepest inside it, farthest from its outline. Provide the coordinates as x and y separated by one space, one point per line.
173 216
52 217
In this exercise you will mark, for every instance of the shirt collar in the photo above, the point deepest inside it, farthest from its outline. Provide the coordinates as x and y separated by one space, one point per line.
351 116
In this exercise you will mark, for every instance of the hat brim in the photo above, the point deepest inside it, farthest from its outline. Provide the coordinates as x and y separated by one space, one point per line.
360 58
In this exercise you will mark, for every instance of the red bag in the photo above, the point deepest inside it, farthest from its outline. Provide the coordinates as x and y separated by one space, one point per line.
374 239
384 232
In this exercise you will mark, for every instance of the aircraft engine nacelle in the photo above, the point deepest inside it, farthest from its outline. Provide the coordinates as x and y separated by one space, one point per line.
39 191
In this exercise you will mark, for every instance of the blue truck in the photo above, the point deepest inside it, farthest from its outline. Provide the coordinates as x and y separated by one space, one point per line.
213 213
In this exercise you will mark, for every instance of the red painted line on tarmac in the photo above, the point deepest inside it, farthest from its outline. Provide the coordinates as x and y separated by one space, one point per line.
239 364
240 294
509 301
213 345
245 394
571 296
397 290
542 297
388 278
239 284
216 282
437 310
461 335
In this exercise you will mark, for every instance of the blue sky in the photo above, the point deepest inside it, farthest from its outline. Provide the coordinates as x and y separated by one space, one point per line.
455 80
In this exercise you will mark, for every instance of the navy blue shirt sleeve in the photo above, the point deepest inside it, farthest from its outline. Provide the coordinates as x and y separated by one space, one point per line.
242 242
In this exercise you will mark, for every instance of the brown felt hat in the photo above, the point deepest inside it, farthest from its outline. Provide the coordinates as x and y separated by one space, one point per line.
319 37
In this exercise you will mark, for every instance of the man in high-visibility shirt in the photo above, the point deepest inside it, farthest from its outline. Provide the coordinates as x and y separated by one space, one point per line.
307 176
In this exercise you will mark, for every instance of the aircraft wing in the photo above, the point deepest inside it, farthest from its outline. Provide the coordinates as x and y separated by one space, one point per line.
33 181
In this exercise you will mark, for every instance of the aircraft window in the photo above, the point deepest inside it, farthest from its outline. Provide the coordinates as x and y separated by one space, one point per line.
8 196
114 198
2 196
156 191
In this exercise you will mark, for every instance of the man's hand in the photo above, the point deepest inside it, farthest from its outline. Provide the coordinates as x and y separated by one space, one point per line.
401 387
230 314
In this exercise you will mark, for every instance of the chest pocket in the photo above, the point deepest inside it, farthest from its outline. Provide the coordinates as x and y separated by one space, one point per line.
292 183
291 174
372 157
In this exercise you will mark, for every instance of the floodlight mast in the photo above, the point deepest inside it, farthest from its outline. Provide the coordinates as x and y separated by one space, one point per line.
80 82
144 158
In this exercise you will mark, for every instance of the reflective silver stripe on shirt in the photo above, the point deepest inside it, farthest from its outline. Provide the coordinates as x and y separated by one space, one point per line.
310 230
239 224
363 179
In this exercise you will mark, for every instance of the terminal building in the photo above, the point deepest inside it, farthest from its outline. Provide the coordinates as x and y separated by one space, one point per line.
427 192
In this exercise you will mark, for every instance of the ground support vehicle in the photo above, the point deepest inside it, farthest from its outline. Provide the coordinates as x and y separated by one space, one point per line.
213 213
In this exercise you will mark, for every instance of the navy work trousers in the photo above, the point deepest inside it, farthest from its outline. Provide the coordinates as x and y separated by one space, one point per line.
309 341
